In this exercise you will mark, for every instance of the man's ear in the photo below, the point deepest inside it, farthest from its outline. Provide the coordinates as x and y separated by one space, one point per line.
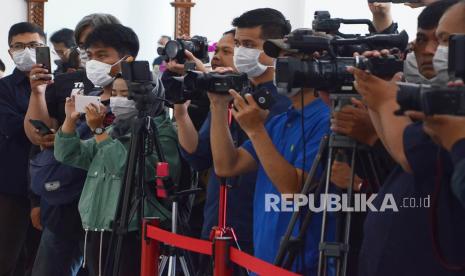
10 53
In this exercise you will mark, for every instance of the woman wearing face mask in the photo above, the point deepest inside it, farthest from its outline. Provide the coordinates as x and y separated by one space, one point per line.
104 157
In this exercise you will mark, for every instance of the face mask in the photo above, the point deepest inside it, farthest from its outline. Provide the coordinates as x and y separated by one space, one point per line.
123 108
282 90
99 72
412 74
24 59
83 57
441 60
246 61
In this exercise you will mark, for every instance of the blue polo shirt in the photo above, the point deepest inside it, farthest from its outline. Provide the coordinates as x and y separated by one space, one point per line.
401 243
240 195
15 91
286 133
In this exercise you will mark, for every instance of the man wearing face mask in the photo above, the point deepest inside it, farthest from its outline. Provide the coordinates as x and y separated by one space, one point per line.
63 43
23 38
420 241
280 151
104 156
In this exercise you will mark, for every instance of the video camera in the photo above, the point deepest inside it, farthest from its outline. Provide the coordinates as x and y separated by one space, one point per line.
197 84
436 100
174 49
395 1
140 85
329 72
322 22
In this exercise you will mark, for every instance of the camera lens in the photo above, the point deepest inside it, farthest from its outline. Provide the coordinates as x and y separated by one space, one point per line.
409 97
172 49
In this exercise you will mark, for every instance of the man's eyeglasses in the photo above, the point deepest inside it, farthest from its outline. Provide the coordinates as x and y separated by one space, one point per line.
22 46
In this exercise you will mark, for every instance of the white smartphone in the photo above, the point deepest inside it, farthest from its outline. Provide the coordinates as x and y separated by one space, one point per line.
81 102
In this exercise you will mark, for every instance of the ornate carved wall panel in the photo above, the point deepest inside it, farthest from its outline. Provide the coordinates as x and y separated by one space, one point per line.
35 11
182 17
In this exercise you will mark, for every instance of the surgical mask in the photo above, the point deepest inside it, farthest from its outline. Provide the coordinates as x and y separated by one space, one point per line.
441 62
99 72
123 108
83 57
413 75
246 61
24 59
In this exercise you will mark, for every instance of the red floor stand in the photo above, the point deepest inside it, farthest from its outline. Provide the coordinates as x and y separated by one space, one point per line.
150 250
222 264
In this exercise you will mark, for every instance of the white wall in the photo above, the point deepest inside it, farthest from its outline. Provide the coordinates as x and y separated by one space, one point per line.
12 11
148 18
210 18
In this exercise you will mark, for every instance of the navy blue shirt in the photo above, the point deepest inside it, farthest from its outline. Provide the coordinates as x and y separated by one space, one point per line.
400 243
286 133
240 196
458 179
15 91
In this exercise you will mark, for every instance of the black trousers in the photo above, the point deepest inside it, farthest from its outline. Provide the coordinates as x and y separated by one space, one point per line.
18 239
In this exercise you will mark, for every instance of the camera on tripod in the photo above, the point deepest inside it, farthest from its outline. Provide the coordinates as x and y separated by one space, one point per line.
329 72
174 49
435 100
140 86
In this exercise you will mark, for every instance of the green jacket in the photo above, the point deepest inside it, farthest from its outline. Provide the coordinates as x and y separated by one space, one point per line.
105 163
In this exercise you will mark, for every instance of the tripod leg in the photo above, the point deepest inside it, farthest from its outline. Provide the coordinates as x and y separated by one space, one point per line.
184 267
172 266
164 260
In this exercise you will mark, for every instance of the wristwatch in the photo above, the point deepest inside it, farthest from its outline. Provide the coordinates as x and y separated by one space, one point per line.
98 131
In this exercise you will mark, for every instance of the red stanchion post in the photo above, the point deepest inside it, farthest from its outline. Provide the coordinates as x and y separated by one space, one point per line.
150 250
222 263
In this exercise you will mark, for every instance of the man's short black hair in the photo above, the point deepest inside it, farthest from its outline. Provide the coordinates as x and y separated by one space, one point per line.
273 23
2 66
22 28
65 36
430 16
230 32
123 39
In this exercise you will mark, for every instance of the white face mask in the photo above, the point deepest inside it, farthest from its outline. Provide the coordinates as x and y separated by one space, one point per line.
99 72
123 108
24 59
412 74
441 63
246 61
83 57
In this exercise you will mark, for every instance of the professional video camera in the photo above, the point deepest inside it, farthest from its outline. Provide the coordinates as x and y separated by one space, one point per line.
329 72
140 85
197 84
435 100
323 22
174 49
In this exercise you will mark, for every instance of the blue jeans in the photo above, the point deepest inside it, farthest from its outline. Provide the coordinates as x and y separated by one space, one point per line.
57 256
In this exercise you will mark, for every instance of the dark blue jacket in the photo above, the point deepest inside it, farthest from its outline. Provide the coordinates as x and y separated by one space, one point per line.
240 196
15 91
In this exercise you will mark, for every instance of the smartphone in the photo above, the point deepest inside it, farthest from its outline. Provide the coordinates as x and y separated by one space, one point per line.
43 57
41 126
81 102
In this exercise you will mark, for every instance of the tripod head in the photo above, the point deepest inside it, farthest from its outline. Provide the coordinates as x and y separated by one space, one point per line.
141 88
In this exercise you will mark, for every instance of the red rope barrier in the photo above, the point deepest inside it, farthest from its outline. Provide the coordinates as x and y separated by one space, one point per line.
205 247
256 265
187 243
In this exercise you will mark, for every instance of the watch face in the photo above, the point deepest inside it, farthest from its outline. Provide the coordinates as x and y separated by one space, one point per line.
98 131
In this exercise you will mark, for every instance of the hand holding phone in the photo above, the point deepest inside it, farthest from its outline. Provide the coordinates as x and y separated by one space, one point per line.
41 126
81 102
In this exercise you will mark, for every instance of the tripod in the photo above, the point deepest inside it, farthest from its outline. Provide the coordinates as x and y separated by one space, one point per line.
144 137
338 250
